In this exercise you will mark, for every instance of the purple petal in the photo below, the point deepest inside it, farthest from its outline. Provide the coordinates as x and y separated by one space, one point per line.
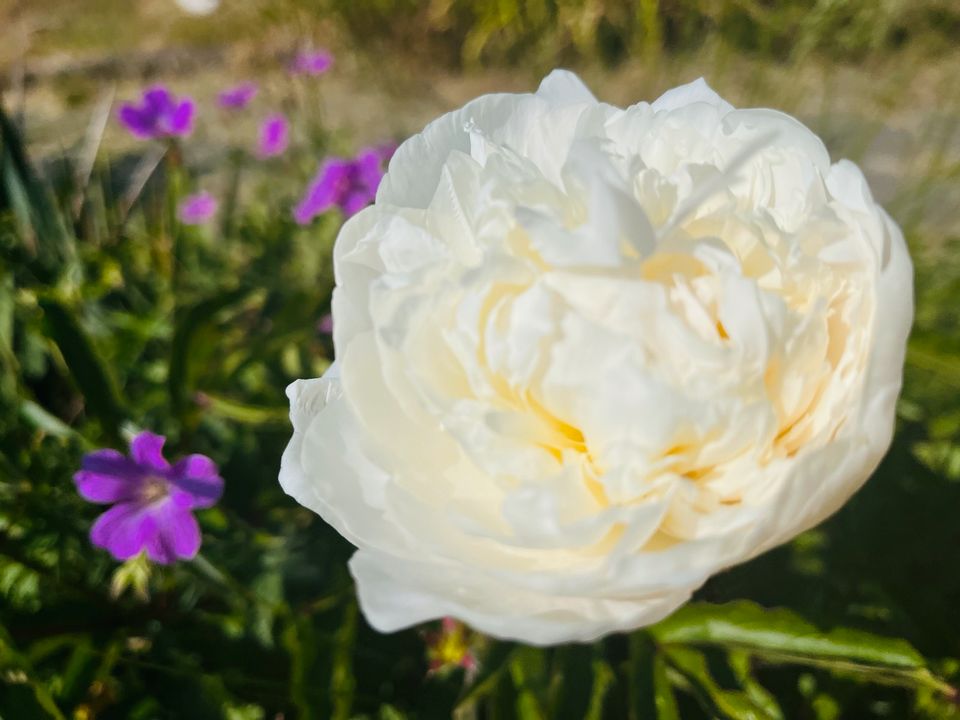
123 530
355 201
197 209
325 190
178 536
181 118
157 98
147 450
386 151
274 136
198 477
98 488
112 463
368 172
238 97
311 63
133 120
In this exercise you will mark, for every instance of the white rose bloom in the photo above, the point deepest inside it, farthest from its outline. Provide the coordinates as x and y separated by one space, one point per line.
589 356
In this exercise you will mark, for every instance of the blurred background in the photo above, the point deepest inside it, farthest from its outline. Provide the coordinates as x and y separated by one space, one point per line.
122 311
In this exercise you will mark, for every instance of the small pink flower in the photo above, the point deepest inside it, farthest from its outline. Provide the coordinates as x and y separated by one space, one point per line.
450 647
311 63
325 325
274 136
197 209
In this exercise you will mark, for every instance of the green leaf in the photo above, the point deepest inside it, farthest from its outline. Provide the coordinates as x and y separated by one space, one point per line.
528 673
16 678
187 324
691 666
492 663
648 688
91 374
572 682
740 663
603 679
43 420
244 413
41 223
749 626
666 702
343 685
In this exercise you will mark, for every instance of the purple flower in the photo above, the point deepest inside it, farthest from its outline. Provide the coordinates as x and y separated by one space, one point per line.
350 185
238 97
152 500
274 136
159 114
311 63
197 209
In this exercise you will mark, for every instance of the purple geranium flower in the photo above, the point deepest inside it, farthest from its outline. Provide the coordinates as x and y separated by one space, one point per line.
152 500
311 63
159 114
197 209
274 136
238 97
351 185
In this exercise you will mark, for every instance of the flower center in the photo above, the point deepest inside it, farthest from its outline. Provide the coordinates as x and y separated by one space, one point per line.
154 488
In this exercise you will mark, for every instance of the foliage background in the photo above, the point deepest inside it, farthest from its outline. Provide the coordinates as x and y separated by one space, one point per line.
114 317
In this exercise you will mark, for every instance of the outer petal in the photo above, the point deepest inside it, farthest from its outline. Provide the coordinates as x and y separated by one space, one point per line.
181 118
178 535
99 488
198 476
396 592
147 450
562 87
694 92
324 470
416 166
111 463
124 530
135 121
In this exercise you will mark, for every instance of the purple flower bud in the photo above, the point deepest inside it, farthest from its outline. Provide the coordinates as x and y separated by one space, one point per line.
159 114
152 499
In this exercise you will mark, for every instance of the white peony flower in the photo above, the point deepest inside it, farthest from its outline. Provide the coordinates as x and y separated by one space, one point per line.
589 356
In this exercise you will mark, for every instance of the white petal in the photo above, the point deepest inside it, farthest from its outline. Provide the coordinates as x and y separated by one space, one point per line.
562 87
694 92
